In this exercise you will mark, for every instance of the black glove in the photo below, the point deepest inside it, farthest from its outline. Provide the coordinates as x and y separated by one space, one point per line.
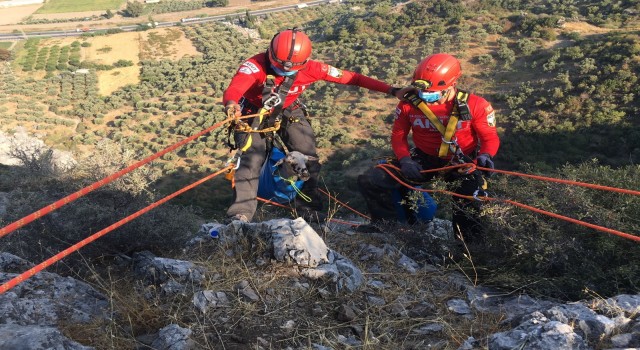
484 160
400 92
410 168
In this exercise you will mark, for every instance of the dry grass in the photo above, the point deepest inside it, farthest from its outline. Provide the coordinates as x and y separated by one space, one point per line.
11 15
167 44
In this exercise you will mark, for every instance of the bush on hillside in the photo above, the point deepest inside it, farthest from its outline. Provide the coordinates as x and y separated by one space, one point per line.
555 258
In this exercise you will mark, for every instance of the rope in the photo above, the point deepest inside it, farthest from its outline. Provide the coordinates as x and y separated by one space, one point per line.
568 182
524 206
344 205
43 265
82 192
273 203
244 127
338 221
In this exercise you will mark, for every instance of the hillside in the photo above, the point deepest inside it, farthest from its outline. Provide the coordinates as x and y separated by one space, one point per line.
562 78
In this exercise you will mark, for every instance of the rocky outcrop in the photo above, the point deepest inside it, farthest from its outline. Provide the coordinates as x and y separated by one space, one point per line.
30 312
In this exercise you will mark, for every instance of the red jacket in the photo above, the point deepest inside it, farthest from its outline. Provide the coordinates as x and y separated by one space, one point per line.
250 77
480 130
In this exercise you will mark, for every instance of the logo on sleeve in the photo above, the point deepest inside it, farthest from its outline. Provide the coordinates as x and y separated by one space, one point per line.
334 72
248 68
491 119
397 114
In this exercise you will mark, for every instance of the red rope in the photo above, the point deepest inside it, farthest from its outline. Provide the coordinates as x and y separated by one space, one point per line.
286 207
43 265
72 197
273 203
569 182
338 221
343 204
540 211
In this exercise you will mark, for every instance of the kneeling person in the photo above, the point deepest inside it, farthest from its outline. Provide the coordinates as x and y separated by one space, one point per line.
466 122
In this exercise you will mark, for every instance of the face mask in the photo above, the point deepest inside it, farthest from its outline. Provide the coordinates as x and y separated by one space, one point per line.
281 72
430 96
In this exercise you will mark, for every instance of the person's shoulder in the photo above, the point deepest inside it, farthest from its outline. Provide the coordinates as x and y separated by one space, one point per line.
476 99
254 65
479 106
405 107
315 67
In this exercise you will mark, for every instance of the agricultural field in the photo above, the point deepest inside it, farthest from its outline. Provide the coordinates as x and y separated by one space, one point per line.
62 6
11 15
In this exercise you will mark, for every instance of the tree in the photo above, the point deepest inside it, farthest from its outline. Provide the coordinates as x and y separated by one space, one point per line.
5 55
109 14
134 9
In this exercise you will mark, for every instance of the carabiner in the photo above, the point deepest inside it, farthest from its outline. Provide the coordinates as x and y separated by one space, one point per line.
272 101
477 192
454 141
236 159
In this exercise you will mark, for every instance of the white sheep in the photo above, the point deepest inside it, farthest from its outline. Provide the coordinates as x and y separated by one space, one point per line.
294 166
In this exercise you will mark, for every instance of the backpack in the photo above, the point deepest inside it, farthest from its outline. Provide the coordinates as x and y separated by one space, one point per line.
273 187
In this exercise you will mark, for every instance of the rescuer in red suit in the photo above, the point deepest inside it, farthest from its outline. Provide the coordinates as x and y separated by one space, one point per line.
474 132
282 73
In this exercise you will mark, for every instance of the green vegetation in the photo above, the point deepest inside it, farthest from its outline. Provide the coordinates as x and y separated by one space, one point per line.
62 6
5 45
563 99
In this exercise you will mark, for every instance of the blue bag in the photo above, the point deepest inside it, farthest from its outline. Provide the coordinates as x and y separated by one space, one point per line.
426 210
273 187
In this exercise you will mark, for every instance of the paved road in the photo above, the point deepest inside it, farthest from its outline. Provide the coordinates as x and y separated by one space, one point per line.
184 21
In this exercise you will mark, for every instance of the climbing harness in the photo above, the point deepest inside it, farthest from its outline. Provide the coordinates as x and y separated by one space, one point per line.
267 123
449 143
460 112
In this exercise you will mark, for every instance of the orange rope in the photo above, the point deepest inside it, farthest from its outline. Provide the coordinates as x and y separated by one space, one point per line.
343 204
43 265
273 203
286 207
338 221
72 197
569 182
540 211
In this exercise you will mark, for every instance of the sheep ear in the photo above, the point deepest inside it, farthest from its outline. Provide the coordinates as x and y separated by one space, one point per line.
308 158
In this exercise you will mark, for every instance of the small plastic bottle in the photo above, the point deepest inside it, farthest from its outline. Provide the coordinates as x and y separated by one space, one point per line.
215 230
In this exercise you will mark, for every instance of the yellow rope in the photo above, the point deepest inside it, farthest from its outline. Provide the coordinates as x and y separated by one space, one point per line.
242 126
302 195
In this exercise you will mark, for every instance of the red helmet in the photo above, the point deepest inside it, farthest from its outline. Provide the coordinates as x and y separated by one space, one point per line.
437 72
290 50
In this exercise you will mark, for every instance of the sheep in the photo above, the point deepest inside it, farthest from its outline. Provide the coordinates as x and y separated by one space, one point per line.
294 166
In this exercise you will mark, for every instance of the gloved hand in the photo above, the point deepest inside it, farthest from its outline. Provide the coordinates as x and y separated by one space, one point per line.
232 109
484 160
410 168
400 92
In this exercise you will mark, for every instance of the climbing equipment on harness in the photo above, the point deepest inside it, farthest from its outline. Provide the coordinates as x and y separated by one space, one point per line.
449 143
273 98
460 112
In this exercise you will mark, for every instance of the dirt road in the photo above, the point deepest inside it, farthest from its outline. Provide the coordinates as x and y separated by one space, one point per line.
11 16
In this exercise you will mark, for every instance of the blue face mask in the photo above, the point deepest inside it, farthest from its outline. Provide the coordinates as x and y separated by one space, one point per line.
281 72
430 96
